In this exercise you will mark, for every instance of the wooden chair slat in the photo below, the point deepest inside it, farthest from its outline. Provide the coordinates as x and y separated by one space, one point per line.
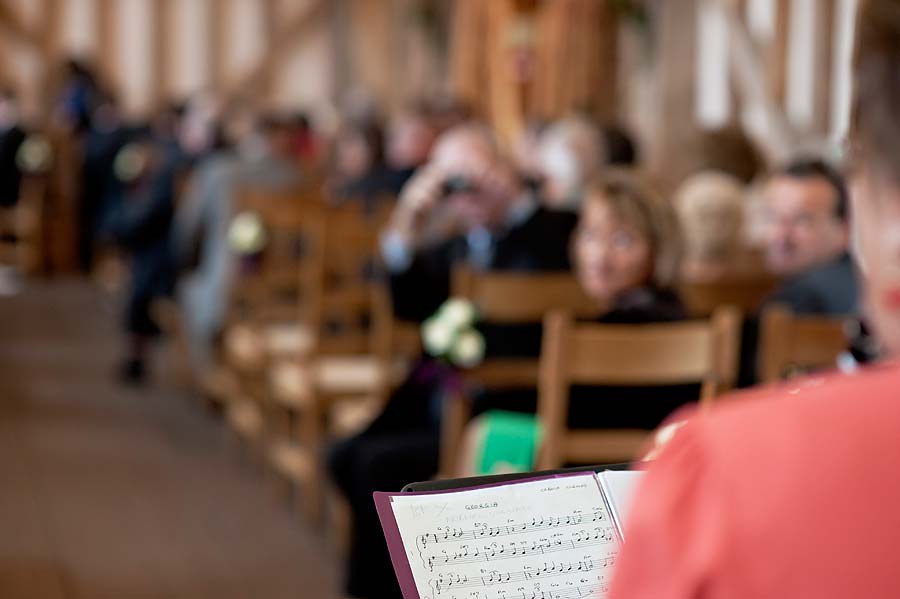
746 293
789 341
625 355
506 298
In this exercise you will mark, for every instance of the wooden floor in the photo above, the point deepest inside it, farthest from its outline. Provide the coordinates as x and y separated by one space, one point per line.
109 492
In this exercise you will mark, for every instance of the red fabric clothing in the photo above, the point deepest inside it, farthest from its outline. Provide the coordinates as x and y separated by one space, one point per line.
791 491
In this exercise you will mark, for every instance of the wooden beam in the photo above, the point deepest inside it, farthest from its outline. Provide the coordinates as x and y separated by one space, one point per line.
107 44
17 29
777 55
270 27
161 58
281 43
748 71
219 12
51 52
341 46
677 122
823 65
51 28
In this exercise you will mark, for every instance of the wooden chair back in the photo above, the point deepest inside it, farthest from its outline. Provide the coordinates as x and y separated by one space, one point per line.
791 342
507 298
704 352
745 292
515 298
276 286
21 227
348 282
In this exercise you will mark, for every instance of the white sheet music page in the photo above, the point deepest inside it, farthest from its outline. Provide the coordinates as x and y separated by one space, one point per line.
545 539
620 486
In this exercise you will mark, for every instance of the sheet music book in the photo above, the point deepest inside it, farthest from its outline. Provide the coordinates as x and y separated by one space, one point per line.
550 537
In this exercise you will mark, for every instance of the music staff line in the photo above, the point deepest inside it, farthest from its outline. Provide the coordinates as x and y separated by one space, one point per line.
571 593
489 553
457 535
454 581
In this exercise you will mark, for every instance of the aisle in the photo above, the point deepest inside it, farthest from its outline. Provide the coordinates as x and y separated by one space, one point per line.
117 493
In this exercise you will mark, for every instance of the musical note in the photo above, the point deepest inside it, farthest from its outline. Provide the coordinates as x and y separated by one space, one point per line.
452 535
452 580
503 551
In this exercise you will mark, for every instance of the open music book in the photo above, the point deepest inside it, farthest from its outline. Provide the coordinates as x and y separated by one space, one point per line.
550 537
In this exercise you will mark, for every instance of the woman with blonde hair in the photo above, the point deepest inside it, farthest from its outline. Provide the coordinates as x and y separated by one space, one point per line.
626 252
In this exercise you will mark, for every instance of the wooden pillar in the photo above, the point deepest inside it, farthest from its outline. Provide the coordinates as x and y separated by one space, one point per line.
161 52
107 44
676 64
778 51
823 51
270 28
341 47
218 37
51 53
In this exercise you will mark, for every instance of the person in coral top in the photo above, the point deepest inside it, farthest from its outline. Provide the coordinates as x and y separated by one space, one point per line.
793 491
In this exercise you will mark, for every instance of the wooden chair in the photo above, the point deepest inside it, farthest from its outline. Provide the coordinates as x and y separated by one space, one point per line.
795 343
338 385
703 352
506 298
269 299
744 292
21 227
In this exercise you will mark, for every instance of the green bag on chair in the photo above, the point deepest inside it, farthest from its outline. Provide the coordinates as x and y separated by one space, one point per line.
509 442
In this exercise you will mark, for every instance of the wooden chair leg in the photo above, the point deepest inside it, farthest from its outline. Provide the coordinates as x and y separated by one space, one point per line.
312 432
457 411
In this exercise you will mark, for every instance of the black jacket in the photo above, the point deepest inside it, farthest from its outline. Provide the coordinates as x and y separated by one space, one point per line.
10 176
539 244
829 289
633 407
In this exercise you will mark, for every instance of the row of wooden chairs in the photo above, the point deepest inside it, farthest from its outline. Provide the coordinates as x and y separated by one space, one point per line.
699 351
312 350
306 348
21 227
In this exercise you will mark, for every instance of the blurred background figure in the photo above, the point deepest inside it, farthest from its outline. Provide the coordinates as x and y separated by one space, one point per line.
808 238
502 227
104 137
410 137
261 158
621 148
358 163
626 253
141 223
569 151
711 208
79 97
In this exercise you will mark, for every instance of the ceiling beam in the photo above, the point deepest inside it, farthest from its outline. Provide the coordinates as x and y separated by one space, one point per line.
13 24
279 46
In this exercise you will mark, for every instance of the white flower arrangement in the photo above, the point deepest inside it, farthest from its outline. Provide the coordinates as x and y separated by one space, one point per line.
247 234
35 155
451 334
130 163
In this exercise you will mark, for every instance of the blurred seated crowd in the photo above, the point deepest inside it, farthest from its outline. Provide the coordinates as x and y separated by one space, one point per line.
569 196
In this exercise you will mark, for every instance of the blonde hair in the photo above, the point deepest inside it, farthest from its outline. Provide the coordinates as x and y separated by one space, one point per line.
633 200
706 188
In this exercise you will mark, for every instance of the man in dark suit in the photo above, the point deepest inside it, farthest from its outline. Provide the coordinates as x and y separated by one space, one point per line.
808 239
464 207
11 138
807 243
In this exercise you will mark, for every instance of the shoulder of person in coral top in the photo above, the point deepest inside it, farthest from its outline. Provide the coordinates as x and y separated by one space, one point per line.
744 498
